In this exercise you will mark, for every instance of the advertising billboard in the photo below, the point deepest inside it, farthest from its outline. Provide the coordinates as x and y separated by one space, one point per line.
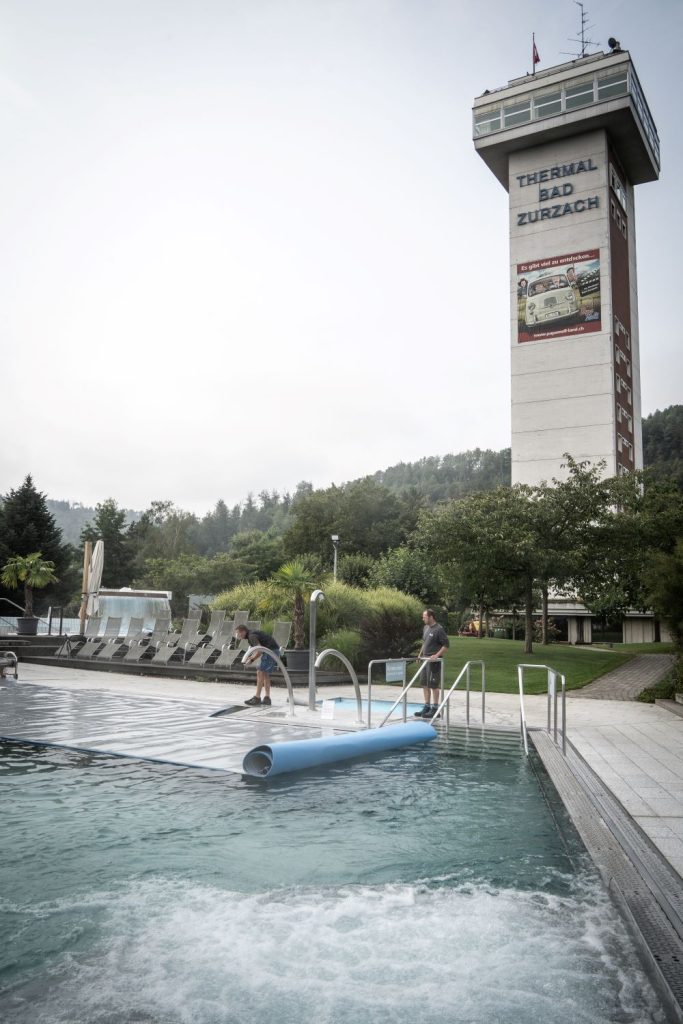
558 297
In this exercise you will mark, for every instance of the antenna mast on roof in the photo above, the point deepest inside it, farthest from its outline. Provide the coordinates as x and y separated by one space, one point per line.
583 42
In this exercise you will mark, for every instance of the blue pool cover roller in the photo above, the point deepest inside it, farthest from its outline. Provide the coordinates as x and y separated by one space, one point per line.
277 758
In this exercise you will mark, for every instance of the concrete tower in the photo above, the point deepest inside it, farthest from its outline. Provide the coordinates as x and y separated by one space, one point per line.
569 144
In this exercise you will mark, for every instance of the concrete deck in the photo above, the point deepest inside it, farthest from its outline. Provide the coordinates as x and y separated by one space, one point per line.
635 749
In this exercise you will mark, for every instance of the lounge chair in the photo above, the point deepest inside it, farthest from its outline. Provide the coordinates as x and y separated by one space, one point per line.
137 649
282 631
111 632
194 639
229 655
221 640
121 643
216 623
72 643
177 643
232 653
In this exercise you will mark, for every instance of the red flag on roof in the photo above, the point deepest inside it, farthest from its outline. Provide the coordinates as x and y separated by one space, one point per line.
534 54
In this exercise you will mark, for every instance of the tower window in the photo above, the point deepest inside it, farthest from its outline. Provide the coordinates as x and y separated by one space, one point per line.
580 94
518 113
618 188
547 104
487 121
613 85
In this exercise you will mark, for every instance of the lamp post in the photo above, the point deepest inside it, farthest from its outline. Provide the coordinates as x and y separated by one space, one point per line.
335 544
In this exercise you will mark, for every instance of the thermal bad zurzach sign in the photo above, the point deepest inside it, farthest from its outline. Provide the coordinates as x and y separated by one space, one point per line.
552 189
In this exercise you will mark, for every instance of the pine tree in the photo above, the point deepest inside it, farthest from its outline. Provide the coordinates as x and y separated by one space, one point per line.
27 526
109 525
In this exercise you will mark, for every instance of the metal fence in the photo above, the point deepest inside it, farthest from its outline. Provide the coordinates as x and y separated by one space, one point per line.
8 625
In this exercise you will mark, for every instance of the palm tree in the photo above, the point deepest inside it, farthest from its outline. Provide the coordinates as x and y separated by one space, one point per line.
293 580
33 571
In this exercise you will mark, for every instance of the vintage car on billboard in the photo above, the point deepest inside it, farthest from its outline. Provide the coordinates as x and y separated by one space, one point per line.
550 299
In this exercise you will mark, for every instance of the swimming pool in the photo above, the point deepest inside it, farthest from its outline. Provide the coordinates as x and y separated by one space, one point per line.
420 886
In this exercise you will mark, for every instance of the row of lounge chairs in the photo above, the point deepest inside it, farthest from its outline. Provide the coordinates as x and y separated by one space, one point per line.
216 646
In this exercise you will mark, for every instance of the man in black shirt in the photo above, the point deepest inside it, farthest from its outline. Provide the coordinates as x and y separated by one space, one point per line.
434 646
257 638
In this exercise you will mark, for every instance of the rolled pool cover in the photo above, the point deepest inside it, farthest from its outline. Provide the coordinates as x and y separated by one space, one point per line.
277 758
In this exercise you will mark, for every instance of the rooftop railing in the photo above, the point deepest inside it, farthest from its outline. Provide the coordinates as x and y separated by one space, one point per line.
547 101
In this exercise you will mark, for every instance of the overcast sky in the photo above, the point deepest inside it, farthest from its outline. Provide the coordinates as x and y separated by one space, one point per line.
246 243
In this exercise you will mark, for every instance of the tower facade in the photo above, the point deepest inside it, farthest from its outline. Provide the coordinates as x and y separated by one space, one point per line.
569 144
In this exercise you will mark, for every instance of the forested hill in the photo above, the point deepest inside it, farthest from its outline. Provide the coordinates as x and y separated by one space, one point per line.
663 443
454 476
71 517
437 477
449 476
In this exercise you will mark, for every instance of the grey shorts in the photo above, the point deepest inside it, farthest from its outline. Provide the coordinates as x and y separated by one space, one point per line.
431 676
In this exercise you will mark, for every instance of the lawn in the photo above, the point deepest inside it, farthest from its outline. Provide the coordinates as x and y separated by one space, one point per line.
580 665
660 648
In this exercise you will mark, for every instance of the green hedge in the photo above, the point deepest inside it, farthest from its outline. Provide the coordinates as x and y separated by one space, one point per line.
364 624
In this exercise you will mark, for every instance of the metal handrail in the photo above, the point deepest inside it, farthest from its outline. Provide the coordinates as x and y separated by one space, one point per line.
552 677
385 661
404 691
445 700
330 651
522 716
316 596
288 681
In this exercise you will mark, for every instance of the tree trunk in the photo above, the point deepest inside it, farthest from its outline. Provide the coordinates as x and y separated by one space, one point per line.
529 619
481 621
544 614
487 623
28 600
514 623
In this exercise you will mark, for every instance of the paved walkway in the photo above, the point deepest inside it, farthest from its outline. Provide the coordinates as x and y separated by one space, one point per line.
636 749
627 681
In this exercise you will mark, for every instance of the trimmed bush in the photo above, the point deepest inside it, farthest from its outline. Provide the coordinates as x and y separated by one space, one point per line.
347 642
343 607
256 598
362 624
392 626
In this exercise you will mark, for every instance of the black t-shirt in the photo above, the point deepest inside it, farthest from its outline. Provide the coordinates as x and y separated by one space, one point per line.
257 638
433 639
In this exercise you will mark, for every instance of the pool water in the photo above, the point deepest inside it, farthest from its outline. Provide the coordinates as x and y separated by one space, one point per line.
416 886
378 707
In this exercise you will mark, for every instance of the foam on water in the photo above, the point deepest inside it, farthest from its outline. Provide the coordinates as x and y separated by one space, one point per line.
416 888
165 951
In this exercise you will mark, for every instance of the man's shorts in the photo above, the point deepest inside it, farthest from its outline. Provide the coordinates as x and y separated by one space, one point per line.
268 664
432 675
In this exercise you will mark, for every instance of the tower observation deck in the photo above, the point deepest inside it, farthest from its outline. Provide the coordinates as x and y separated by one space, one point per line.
569 144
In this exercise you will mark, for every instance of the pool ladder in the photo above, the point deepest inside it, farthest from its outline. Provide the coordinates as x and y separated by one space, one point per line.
444 703
552 675
552 696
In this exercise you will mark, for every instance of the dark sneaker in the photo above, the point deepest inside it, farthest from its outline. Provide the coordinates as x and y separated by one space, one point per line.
253 701
267 701
423 713
430 711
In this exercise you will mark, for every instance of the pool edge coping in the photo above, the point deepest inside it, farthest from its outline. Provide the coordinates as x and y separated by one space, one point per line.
634 878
